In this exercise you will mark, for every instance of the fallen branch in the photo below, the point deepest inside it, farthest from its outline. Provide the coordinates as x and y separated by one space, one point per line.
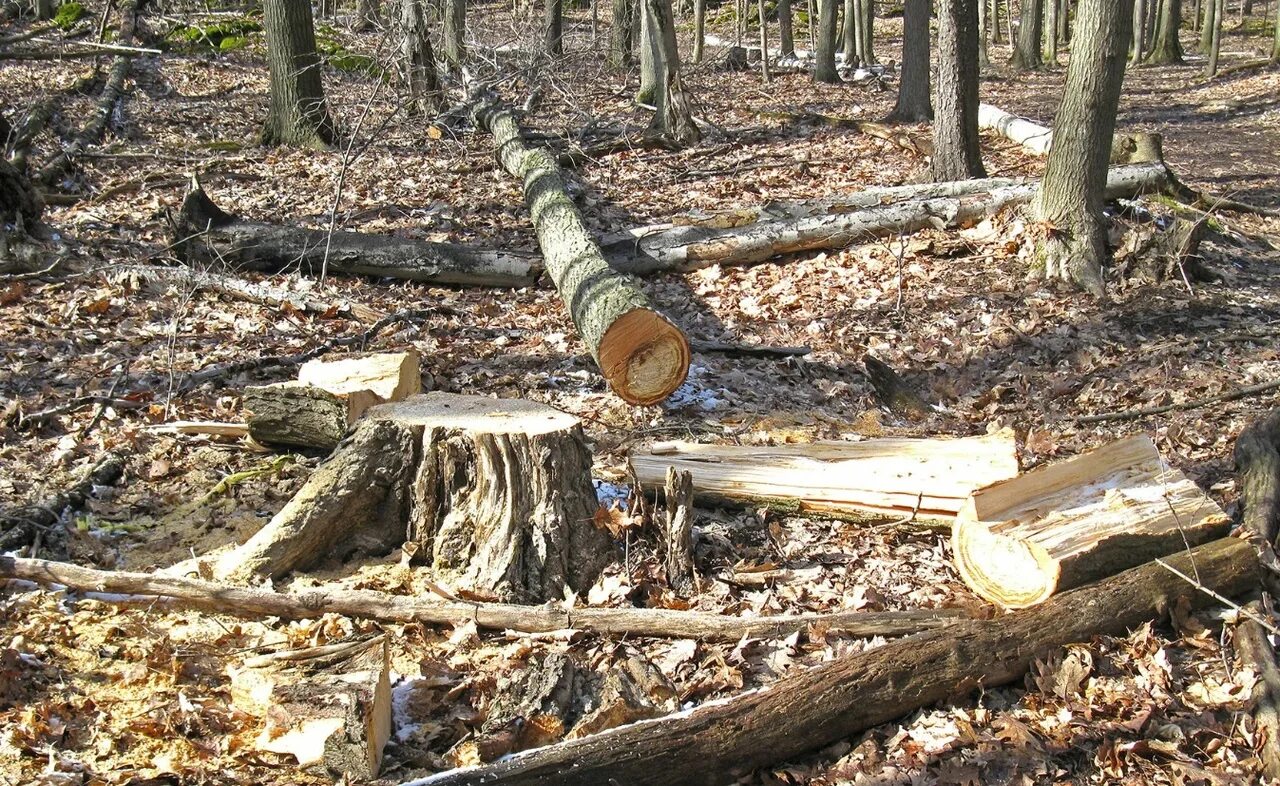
367 604
1255 651
79 402
840 698
1134 414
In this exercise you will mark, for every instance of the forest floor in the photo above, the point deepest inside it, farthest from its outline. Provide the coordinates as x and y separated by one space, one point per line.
92 693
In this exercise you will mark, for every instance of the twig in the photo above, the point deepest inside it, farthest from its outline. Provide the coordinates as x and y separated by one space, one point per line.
1134 414
1243 612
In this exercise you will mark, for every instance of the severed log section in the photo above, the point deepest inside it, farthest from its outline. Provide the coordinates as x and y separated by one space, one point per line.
643 355
678 535
329 707
320 407
1257 457
1253 649
1032 136
204 234
717 741
929 478
126 588
1018 542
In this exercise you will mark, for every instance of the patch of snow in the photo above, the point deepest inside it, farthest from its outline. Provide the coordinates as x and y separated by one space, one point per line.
401 691
694 393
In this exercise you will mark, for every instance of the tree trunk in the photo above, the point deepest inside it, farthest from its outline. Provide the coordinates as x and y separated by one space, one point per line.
1064 22
913 94
1275 46
699 28
786 38
1026 50
849 33
956 154
641 353
368 14
824 66
553 26
673 120
764 43
297 116
1207 27
1165 47
997 37
867 31
1070 201
622 34
1215 42
1139 23
812 8
984 57
206 235
455 28
425 95
1051 30
650 63
838 699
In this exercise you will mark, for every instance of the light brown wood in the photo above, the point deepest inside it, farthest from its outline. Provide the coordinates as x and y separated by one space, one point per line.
644 356
928 478
391 376
1064 524
678 535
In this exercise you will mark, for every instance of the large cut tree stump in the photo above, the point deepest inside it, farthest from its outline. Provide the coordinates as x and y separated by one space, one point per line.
497 491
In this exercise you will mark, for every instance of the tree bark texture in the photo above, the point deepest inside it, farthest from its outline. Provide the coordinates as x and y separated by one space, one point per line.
641 353
1165 47
1207 26
714 743
824 66
699 28
984 57
1070 200
622 34
553 26
1139 29
424 90
866 31
849 33
956 154
673 119
207 235
1051 31
297 116
678 535
453 39
1257 456
1026 49
1215 39
914 101
786 37
650 58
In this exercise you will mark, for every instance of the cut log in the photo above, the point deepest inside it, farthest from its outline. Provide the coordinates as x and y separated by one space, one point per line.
717 741
204 234
930 478
328 713
678 536
643 355
1253 649
1018 542
145 588
320 407
1257 457
1034 137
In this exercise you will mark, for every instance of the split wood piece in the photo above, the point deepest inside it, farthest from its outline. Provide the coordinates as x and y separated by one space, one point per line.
209 428
1018 542
330 715
836 700
892 391
218 598
1257 457
104 109
19 524
329 396
678 535
929 478
643 355
1253 649
204 234
683 249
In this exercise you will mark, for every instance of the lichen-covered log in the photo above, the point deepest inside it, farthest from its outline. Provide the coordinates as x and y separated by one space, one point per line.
643 354
206 234
1257 456
290 413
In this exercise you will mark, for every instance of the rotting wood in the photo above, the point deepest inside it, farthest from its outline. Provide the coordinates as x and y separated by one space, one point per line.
313 603
928 478
643 355
717 741
1018 542
678 534
1253 649
205 234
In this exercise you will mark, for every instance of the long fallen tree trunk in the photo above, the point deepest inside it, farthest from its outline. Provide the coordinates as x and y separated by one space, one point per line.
803 712
643 354
368 604
203 233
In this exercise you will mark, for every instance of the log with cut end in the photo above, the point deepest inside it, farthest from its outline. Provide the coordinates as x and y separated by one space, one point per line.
929 478
1018 542
320 407
204 234
328 707
1032 136
718 741
643 355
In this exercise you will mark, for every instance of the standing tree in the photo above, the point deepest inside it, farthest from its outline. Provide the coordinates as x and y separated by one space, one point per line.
297 115
849 33
455 29
1275 46
622 34
786 38
553 26
673 120
866 31
1139 25
1165 48
368 14
1215 40
824 66
1206 29
764 42
984 58
1026 50
1051 31
699 28
650 66
913 95
416 59
1070 198
956 155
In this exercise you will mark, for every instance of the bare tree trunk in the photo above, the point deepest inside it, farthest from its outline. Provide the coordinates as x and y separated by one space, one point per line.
622 34
1051 30
553 26
997 37
984 57
913 94
673 119
1026 50
419 64
1215 41
1275 46
1165 47
849 33
455 27
1070 199
1139 22
1064 21
824 66
650 66
1210 22
764 42
812 13
368 14
956 155
867 28
786 39
298 116
699 28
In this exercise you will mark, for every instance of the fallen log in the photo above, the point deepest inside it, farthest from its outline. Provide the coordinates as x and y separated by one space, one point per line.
1018 542
928 478
204 234
1253 649
719 740
643 355
1257 457
1034 137
124 587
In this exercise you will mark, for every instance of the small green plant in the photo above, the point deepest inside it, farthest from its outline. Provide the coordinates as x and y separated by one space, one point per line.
221 36
341 58
67 15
